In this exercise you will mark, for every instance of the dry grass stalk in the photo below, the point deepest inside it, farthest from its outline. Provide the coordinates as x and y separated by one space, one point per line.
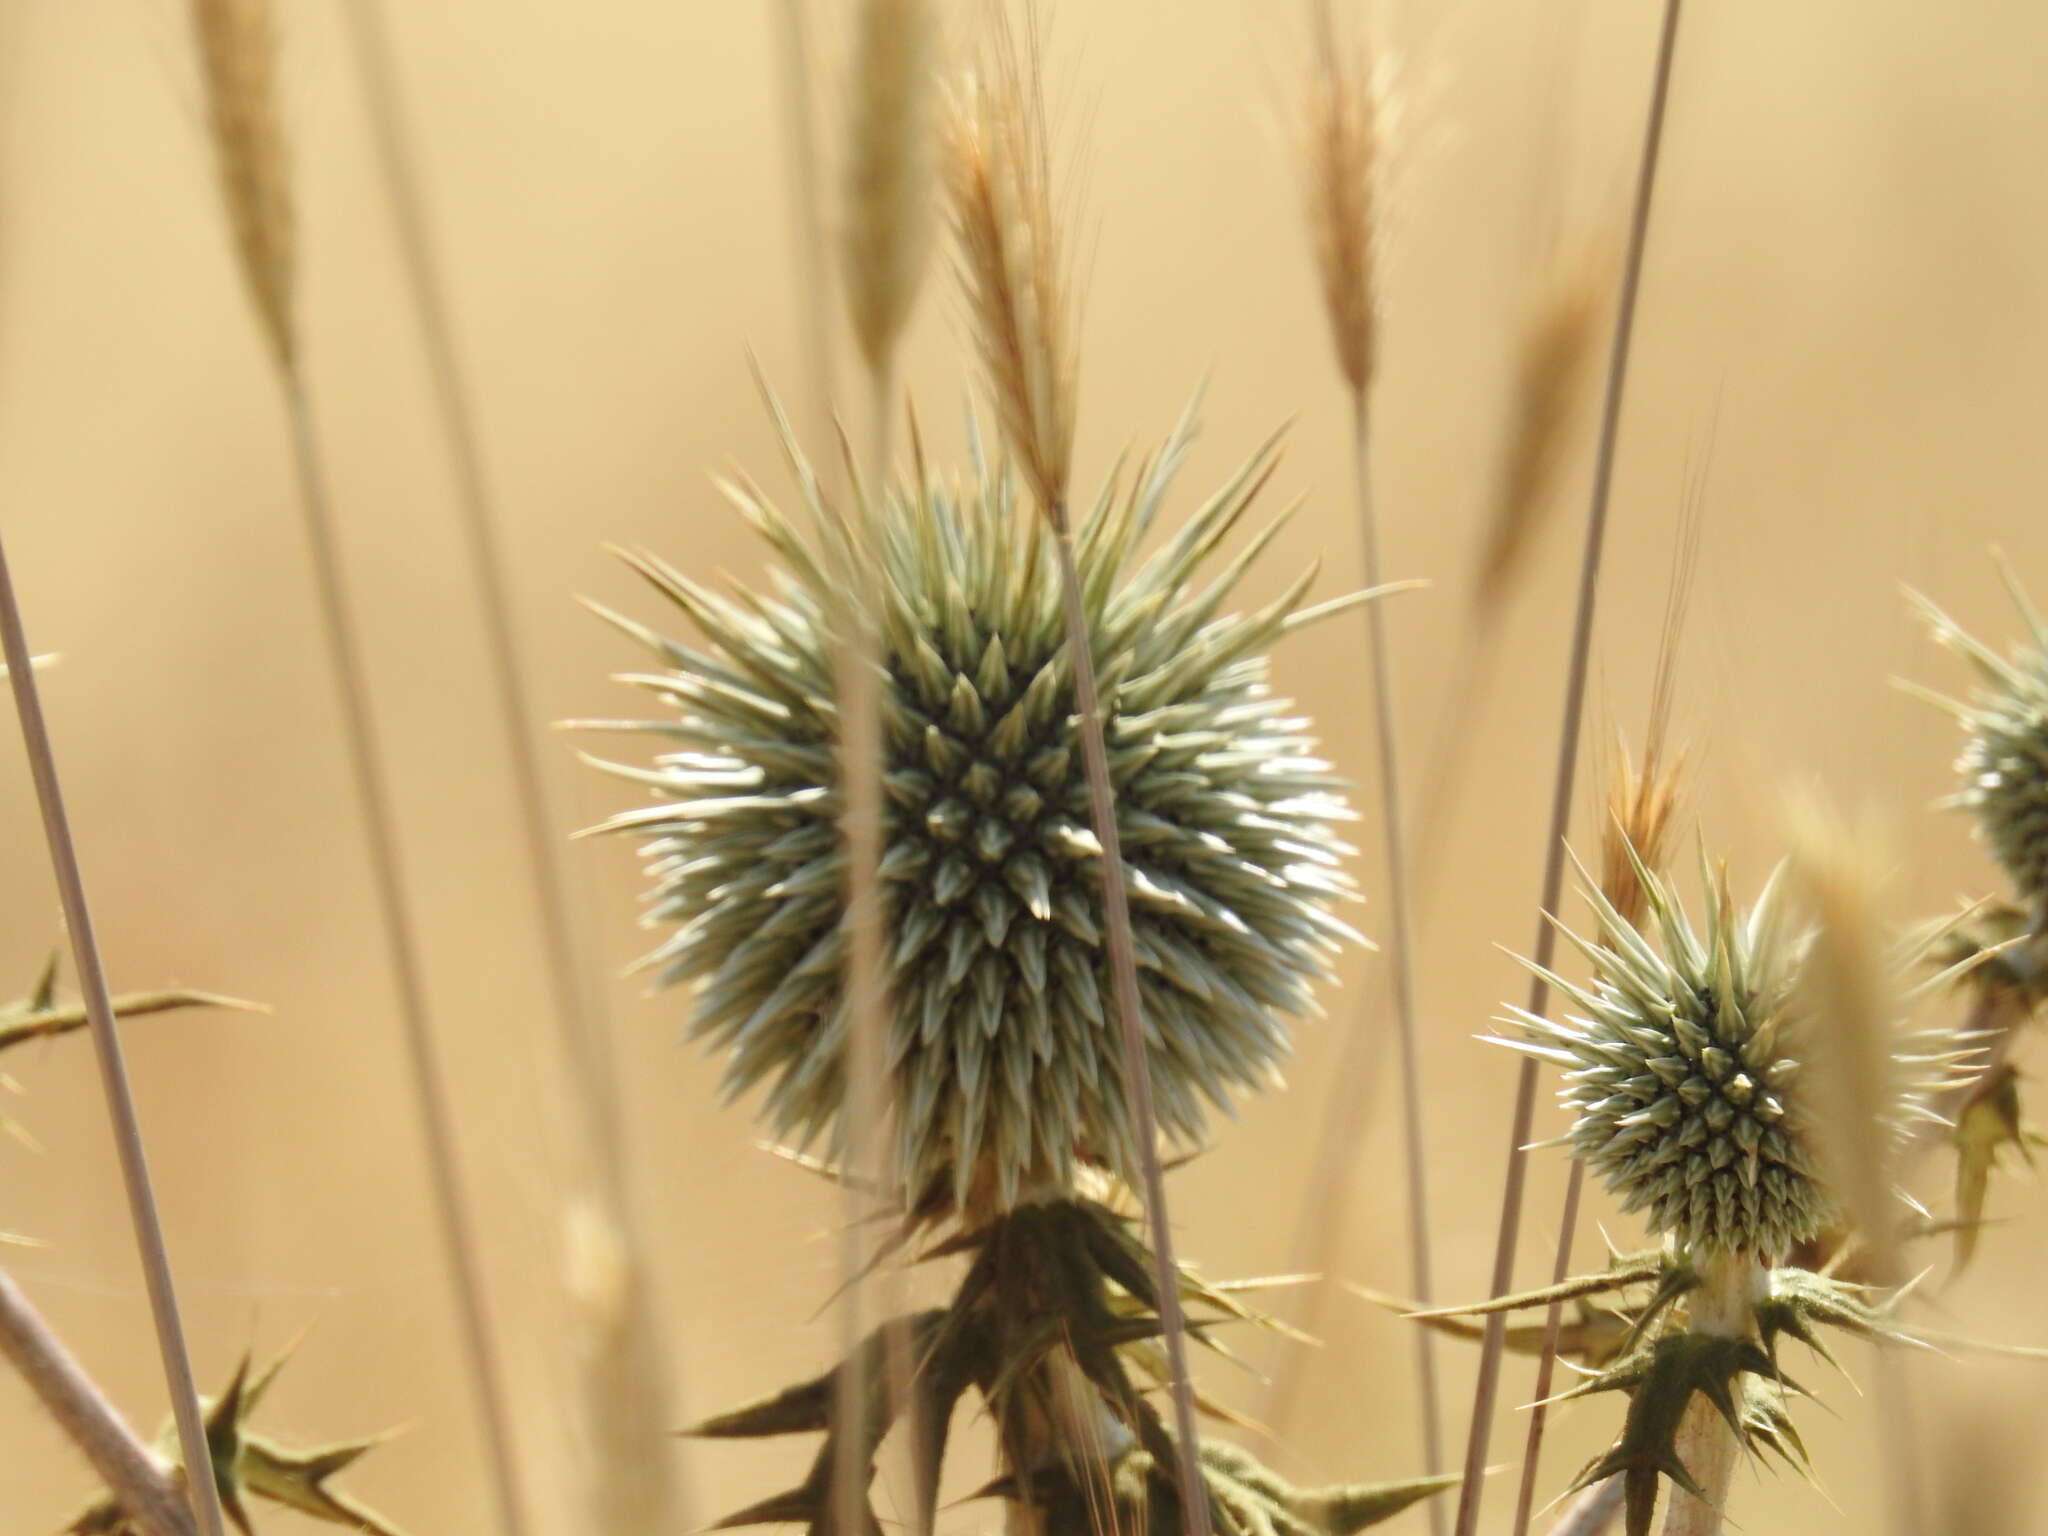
1553 378
237 52
1642 805
889 190
1012 261
1614 391
814 308
1015 273
891 172
113 1069
631 1481
148 1493
1341 148
236 44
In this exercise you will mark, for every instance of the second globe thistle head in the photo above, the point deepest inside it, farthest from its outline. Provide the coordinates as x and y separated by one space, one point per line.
1002 1044
1681 1069
2004 762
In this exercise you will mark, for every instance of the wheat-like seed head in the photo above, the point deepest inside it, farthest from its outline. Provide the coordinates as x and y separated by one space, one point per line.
1340 130
1642 805
1013 264
890 169
1554 370
1002 1041
237 53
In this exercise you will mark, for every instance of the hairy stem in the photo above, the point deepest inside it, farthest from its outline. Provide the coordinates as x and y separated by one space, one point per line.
627 1400
1493 1347
75 1404
1194 1501
113 1066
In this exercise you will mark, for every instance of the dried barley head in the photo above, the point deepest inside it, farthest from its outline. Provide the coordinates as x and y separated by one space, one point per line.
1004 1051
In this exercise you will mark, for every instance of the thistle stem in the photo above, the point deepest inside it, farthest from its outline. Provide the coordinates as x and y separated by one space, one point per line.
380 837
1723 1305
1401 958
1493 1346
1194 1499
75 1403
1593 1511
121 1115
636 1489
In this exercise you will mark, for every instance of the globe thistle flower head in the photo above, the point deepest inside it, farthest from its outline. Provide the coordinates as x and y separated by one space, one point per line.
1681 1069
1001 1038
2004 762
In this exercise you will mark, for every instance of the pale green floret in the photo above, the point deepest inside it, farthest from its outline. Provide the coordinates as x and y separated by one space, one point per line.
1678 1074
1002 1039
2004 764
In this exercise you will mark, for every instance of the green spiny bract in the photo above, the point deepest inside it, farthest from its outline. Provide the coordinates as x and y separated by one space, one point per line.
2004 763
1001 1037
1055 1320
1684 1096
246 1464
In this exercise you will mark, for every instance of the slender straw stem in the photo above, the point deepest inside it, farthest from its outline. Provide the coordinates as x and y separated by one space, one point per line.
649 1490
1194 1499
1546 1363
808 218
73 1400
1494 1342
1593 1511
380 836
586 1040
1400 918
858 668
121 1115
1329 1202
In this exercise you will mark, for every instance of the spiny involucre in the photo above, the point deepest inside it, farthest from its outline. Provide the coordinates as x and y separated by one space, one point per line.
2004 764
1002 1043
1682 1070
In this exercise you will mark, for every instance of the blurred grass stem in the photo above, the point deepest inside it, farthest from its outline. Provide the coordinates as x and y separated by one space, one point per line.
113 1068
74 1402
1492 1349
639 1487
380 836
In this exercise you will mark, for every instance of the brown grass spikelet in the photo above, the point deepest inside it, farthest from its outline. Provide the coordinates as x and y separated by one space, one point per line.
1642 806
1013 268
891 167
237 54
1340 129
1554 367
1642 801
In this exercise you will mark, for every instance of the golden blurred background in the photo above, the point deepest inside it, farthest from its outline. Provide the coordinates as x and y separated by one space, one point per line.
1844 330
